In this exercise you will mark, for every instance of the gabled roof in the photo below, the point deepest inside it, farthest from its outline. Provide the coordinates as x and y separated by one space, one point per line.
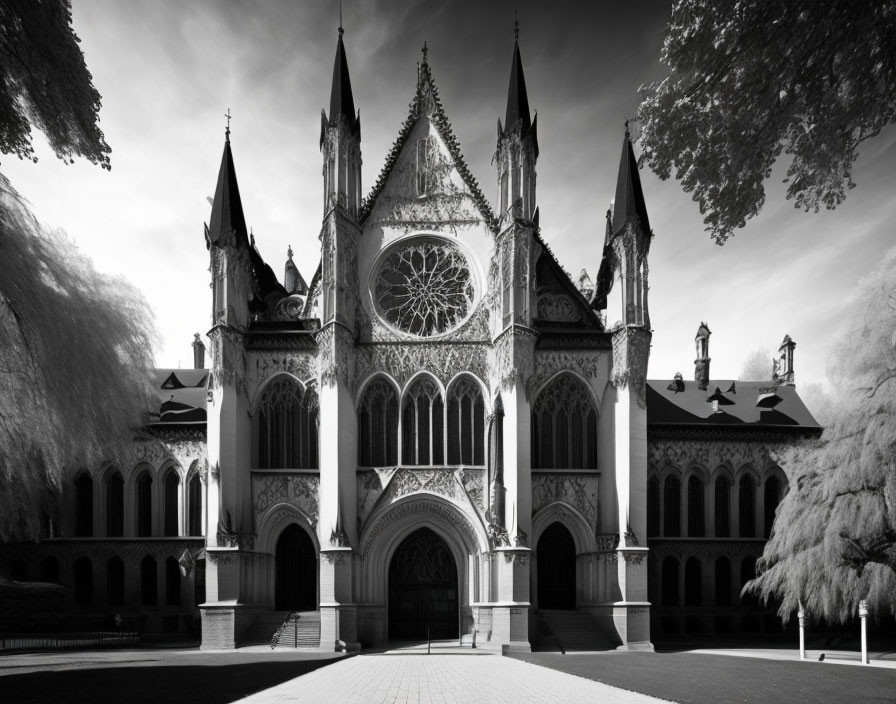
629 200
588 315
227 207
426 92
684 404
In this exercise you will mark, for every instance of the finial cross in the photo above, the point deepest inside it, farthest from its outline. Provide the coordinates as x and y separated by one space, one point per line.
227 131
516 27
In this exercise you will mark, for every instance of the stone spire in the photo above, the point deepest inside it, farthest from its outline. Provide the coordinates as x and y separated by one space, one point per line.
517 149
629 201
342 104
227 225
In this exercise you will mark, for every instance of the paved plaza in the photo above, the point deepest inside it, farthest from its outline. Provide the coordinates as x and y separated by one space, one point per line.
442 679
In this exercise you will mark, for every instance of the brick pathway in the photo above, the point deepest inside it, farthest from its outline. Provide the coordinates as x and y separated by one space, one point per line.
434 679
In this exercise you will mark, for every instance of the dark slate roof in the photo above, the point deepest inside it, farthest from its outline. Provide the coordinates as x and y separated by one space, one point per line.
182 398
443 126
629 196
737 400
227 207
517 97
341 100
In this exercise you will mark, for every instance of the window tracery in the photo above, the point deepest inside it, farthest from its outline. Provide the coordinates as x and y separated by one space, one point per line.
564 427
288 426
423 424
425 287
466 423
378 425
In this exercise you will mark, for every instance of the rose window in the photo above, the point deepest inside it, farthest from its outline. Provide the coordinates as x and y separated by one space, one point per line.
424 287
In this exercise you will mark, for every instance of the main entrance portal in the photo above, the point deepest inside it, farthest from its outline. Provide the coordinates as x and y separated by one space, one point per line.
556 555
423 589
296 565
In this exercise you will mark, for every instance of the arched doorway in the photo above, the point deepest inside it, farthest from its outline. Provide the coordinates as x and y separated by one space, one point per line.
423 589
296 567
556 554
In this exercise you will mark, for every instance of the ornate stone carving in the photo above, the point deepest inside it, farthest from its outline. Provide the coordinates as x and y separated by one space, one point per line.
512 359
557 308
709 454
425 507
301 365
549 363
100 550
335 356
242 541
473 481
228 359
425 191
520 557
633 558
299 490
371 484
337 558
707 551
223 557
606 541
631 349
576 490
401 361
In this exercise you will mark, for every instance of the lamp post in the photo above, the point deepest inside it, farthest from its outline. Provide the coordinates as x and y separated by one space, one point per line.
863 614
801 615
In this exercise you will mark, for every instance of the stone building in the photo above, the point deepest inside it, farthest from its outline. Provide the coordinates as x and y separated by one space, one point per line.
439 436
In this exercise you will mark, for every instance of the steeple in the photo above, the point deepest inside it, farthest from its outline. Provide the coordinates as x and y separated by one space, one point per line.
340 141
629 201
342 104
227 225
517 97
517 149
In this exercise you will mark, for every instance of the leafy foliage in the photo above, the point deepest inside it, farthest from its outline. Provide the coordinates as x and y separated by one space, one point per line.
44 82
75 354
834 537
748 81
757 366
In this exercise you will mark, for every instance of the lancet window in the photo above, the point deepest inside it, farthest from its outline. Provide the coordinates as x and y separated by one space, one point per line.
378 425
287 426
466 423
564 427
422 422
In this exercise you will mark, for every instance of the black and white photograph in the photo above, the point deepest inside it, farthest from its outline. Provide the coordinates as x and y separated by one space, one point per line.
447 351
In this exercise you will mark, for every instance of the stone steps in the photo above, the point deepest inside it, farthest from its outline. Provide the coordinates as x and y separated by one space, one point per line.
571 631
303 633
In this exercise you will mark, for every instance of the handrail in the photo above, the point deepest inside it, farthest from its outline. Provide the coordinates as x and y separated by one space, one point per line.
42 641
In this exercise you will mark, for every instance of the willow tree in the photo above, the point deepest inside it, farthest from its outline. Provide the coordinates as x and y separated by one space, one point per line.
750 80
75 346
833 542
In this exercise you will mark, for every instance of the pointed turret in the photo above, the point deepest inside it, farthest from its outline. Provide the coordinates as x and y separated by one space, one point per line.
517 149
629 202
340 141
517 97
228 224
342 104
627 242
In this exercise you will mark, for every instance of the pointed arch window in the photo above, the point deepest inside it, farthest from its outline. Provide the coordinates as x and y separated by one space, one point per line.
653 507
466 423
115 506
194 505
564 427
422 423
172 582
84 506
83 581
747 506
287 426
115 581
172 499
696 519
723 512
378 425
144 505
148 586
672 507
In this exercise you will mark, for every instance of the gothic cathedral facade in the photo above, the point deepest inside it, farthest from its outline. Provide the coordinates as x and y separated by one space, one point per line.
440 432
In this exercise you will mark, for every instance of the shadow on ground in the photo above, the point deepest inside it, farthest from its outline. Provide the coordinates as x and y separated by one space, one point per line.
218 680
692 678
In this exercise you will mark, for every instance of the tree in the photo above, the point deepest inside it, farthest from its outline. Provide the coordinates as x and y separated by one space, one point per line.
744 83
44 82
76 350
75 346
834 537
757 366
